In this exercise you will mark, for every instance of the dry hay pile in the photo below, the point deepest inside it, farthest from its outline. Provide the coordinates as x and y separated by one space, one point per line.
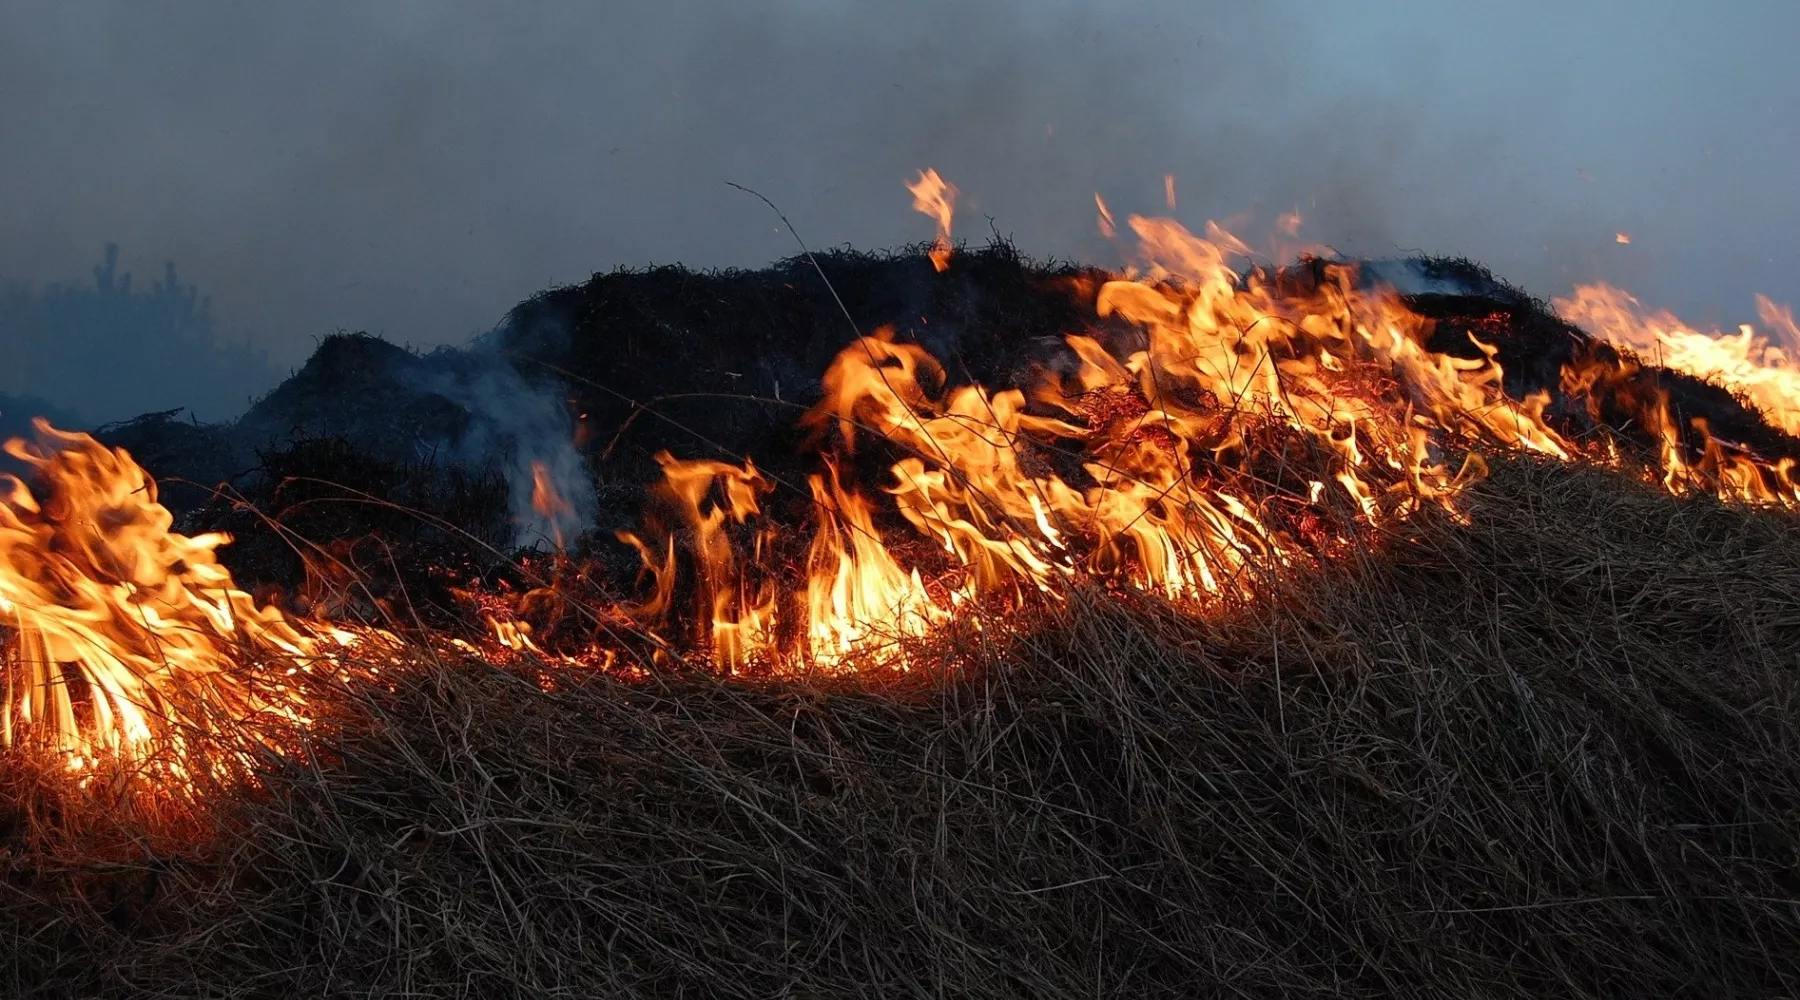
1551 753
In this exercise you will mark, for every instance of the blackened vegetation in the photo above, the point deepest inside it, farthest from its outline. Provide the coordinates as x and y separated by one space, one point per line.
379 397
187 458
332 530
721 365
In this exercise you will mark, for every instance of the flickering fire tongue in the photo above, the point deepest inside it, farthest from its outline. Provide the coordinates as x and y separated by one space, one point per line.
937 198
1186 461
547 502
120 633
1764 370
1258 428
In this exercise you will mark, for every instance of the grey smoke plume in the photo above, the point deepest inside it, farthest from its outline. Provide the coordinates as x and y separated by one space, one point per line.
414 167
1410 277
521 427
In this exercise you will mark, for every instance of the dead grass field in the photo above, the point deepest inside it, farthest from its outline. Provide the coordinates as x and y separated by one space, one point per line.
1554 753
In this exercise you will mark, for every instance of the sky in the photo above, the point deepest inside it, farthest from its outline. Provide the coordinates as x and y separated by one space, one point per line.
413 168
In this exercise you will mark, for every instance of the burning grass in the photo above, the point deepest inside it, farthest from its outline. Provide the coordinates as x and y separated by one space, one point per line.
1546 749
1195 650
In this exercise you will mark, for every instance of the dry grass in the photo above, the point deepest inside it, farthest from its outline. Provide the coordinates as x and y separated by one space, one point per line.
1552 754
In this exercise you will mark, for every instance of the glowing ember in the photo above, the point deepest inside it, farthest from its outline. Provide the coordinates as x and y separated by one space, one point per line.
935 197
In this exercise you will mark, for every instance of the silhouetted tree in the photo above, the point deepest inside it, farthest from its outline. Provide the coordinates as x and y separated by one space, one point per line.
110 352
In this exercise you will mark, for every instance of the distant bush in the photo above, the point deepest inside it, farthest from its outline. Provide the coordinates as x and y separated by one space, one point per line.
109 352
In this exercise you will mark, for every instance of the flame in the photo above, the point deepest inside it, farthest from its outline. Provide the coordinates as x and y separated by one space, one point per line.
121 636
1749 363
1256 424
1257 428
1190 467
860 603
1169 191
1622 238
544 498
935 197
547 502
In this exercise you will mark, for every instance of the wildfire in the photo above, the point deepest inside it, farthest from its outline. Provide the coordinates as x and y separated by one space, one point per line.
936 197
1255 427
1186 468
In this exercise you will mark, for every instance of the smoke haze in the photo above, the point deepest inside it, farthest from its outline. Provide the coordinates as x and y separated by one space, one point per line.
415 167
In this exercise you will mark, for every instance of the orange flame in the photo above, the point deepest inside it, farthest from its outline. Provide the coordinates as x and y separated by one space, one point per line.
544 498
1165 444
1157 469
933 196
121 634
1255 424
547 502
1746 362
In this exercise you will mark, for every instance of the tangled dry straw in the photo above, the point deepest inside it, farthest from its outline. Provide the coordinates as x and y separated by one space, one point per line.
1553 753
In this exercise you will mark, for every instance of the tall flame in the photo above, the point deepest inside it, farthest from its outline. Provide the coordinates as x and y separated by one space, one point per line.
120 632
1254 428
1186 467
936 197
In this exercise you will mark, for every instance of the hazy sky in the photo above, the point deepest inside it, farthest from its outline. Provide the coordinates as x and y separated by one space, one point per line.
414 167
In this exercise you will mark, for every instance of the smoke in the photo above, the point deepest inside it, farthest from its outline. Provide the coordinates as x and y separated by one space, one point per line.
413 168
525 430
1411 277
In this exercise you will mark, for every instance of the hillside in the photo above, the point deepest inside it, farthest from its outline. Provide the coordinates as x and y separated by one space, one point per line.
1007 652
1549 753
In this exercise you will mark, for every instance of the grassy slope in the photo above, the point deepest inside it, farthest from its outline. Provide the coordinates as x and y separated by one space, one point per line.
1553 753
